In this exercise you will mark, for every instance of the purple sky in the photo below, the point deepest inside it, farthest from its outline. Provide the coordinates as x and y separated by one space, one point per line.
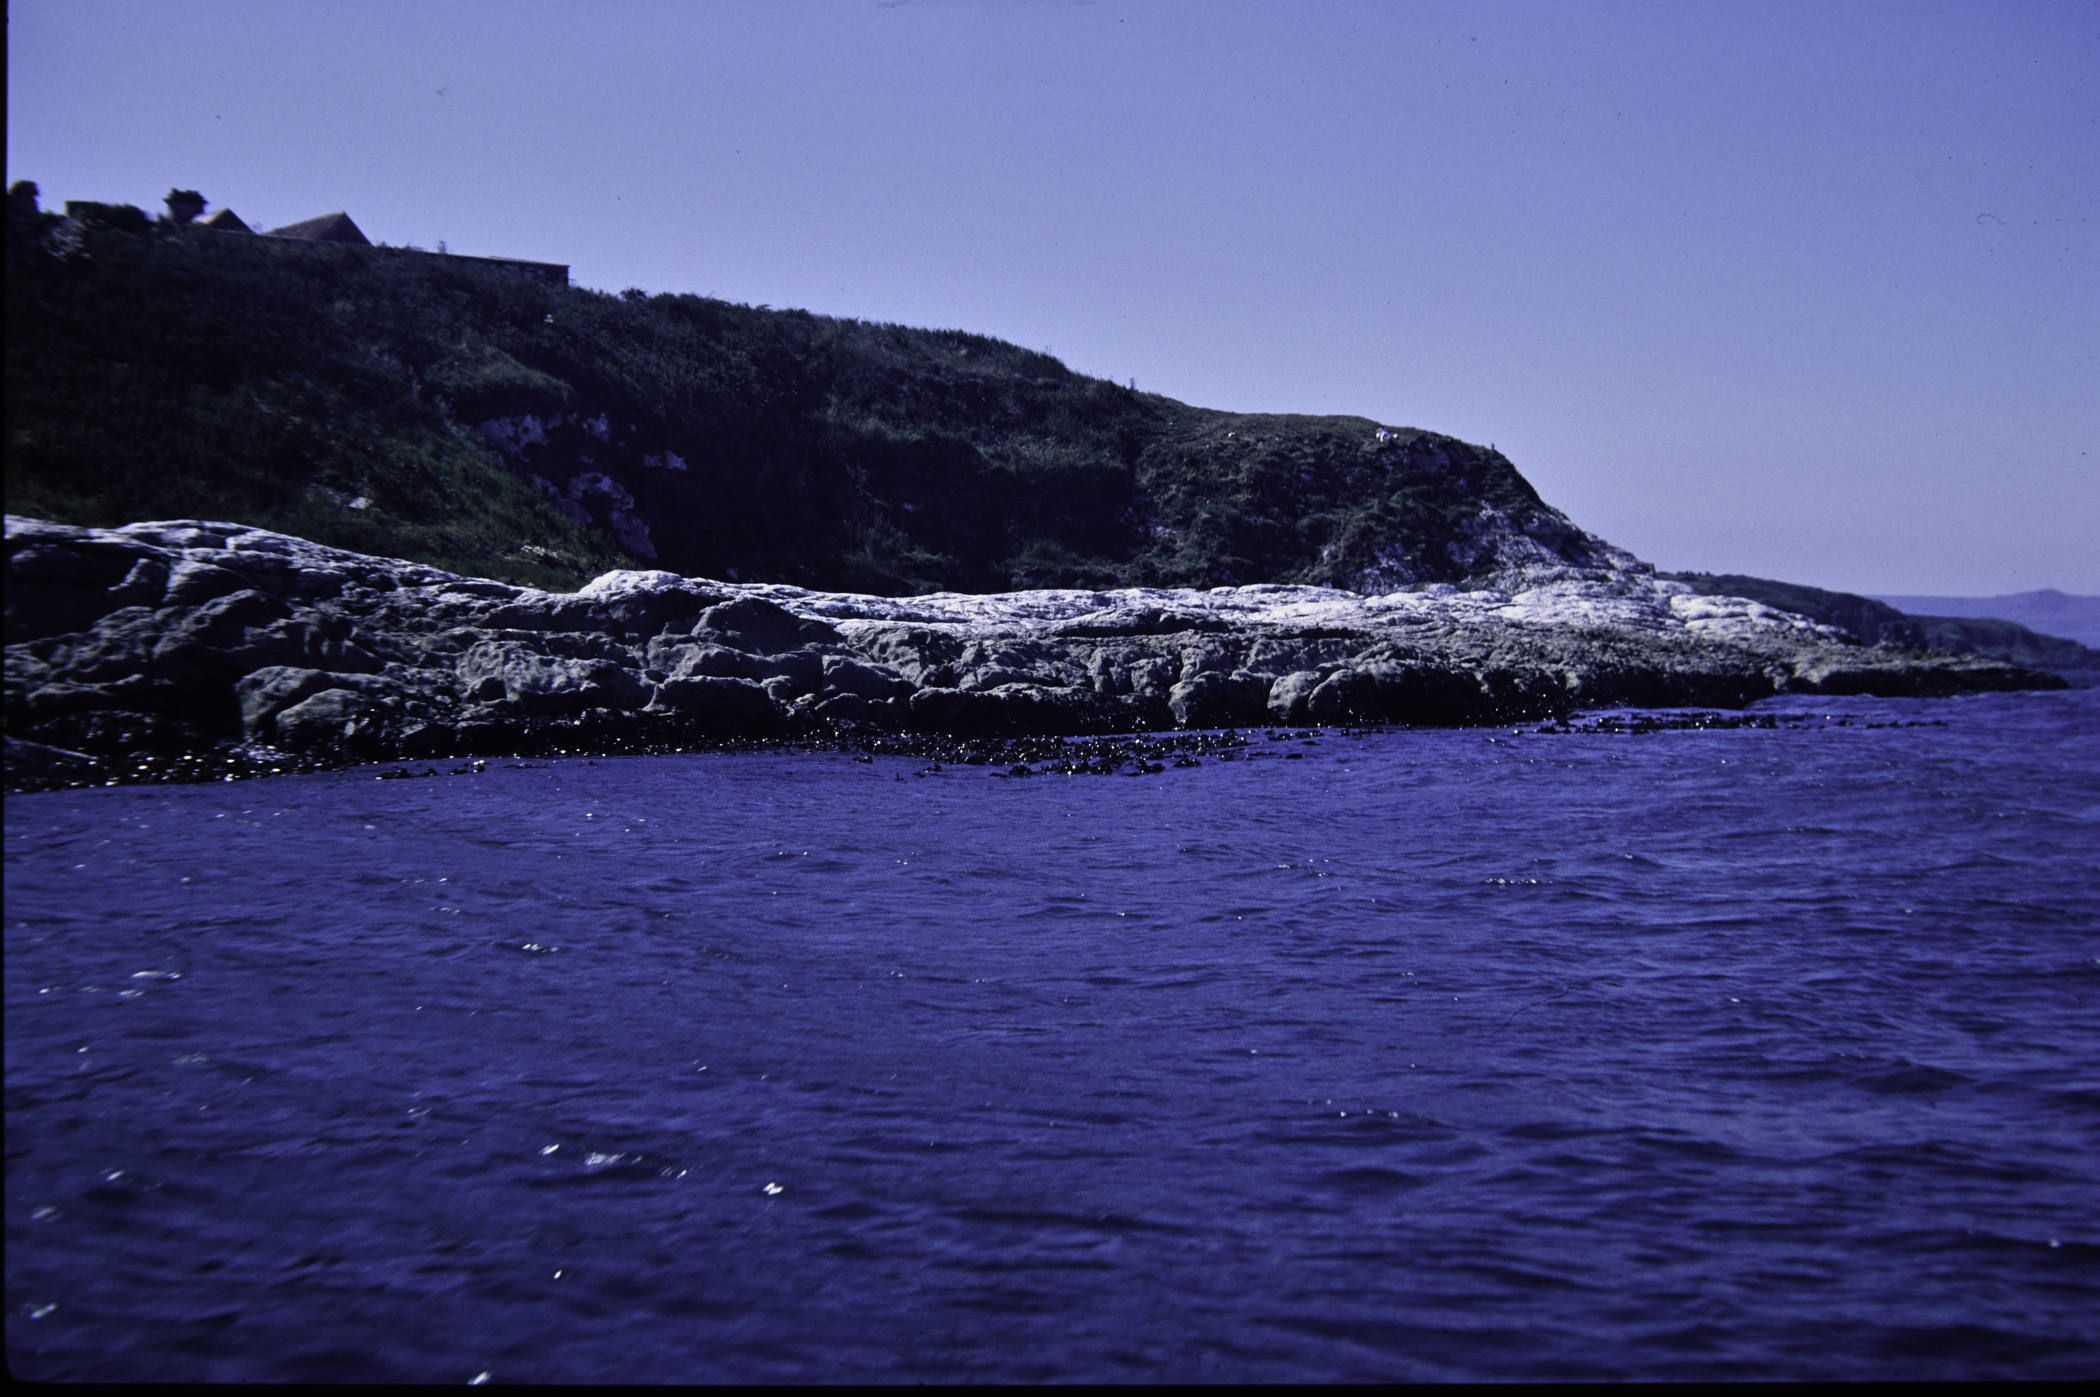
1807 291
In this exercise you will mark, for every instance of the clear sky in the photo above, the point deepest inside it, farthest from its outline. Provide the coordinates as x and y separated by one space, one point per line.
1808 291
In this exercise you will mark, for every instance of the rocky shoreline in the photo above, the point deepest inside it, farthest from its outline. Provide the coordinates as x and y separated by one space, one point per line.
196 650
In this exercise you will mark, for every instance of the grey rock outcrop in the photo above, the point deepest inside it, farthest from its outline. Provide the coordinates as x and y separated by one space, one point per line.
188 636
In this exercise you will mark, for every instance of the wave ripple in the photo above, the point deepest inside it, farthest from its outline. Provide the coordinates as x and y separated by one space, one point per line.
1739 1053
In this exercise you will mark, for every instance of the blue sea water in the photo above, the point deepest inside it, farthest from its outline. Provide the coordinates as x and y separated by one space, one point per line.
1459 1055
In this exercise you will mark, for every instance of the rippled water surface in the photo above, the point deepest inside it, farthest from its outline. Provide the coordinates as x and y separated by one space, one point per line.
1436 1055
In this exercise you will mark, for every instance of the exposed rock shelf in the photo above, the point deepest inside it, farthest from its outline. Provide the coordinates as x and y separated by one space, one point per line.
133 650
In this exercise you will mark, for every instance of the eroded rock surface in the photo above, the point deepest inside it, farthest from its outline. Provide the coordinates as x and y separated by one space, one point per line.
186 637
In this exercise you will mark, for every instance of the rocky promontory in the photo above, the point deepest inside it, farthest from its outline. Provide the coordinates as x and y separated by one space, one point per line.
187 647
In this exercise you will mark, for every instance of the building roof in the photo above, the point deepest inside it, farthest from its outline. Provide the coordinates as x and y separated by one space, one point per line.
328 228
226 221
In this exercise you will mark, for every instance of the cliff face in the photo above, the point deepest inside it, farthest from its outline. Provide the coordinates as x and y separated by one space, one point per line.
430 409
1344 502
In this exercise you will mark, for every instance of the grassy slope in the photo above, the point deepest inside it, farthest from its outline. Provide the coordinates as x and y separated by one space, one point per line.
164 377
163 372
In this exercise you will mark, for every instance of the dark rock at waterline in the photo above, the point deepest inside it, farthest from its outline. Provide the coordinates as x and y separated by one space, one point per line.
201 649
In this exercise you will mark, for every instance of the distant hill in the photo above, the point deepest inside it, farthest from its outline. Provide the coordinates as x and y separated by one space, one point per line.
2049 611
1874 621
429 408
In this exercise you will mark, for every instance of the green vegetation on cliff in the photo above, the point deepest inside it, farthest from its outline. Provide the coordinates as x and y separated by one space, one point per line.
443 410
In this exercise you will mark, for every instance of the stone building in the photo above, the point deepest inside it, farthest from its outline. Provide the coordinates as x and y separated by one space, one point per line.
185 206
328 228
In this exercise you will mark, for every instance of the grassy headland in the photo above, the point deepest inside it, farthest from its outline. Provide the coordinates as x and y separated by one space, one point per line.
1874 622
445 411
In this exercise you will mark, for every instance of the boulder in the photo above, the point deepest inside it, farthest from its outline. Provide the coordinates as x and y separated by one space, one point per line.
998 676
685 658
963 712
844 708
1432 696
1421 695
924 657
871 682
1154 675
538 685
642 604
329 717
145 585
1213 700
758 627
1146 621
1345 696
319 641
221 624
1290 696
1035 709
731 701
192 583
270 690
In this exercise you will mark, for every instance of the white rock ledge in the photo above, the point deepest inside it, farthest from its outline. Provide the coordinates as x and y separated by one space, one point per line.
176 637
